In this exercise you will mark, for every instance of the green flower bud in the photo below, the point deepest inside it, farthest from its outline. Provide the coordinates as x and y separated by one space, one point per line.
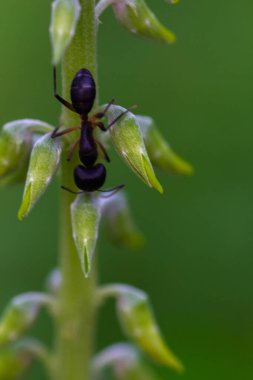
14 150
124 360
159 151
127 139
44 162
137 320
15 145
138 19
65 14
120 226
85 216
20 315
14 361
18 175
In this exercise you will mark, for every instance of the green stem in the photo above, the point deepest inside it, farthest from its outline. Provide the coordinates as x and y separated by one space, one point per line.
75 324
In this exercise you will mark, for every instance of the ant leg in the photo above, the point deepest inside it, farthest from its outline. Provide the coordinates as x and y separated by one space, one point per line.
72 149
99 115
112 191
106 157
58 97
101 126
66 131
119 117
71 191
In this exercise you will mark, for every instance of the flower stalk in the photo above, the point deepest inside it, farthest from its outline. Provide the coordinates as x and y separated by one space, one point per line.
75 323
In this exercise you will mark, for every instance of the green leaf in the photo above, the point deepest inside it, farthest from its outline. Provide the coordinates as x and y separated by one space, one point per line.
44 162
85 216
127 139
65 14
159 151
138 19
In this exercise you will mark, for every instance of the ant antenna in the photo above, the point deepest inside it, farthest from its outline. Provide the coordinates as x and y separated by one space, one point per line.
108 106
112 191
120 116
71 191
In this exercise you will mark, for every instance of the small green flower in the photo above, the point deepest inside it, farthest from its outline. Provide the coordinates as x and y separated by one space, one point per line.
20 315
137 321
120 225
14 361
44 162
14 149
65 14
125 362
127 139
16 141
138 19
159 151
85 216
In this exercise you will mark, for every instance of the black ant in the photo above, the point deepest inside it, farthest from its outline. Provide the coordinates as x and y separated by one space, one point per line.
90 176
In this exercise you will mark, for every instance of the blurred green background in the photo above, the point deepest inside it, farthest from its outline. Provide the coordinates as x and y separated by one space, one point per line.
198 262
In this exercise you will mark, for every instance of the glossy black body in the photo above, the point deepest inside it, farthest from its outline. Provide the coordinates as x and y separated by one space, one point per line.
83 92
90 179
88 152
89 176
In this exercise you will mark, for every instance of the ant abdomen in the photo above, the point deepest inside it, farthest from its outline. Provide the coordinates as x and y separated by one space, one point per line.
83 92
90 179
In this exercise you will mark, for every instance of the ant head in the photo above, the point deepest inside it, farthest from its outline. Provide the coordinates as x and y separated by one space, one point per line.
83 72
83 92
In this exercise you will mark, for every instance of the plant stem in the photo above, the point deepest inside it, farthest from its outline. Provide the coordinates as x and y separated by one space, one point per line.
75 324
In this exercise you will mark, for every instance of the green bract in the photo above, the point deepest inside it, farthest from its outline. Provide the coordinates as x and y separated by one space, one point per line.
85 216
127 139
44 162
138 19
65 14
159 151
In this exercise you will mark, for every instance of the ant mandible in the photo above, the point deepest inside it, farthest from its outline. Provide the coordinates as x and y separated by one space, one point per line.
90 176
